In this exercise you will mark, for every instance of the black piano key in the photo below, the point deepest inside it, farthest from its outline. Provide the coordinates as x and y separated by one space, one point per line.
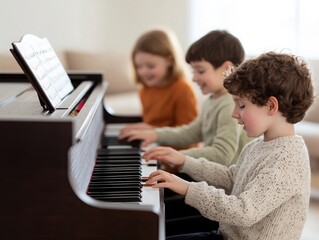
119 182
118 198
118 188
121 152
123 170
116 193
116 167
118 162
117 177
114 183
111 168
117 173
123 195
118 157
114 141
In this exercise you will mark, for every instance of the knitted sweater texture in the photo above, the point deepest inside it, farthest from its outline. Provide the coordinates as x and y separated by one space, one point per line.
223 138
265 196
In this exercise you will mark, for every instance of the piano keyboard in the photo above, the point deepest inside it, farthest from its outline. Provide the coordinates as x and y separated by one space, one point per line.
120 173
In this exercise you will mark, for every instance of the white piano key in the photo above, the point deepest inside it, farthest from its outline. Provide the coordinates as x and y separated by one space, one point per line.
147 170
150 196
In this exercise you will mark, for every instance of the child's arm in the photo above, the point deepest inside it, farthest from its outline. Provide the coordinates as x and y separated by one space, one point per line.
215 174
225 139
181 136
275 187
219 175
136 126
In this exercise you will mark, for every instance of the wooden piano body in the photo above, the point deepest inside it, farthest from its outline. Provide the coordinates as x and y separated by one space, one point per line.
46 160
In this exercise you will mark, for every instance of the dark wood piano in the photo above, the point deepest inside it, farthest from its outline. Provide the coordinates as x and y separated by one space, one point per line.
48 162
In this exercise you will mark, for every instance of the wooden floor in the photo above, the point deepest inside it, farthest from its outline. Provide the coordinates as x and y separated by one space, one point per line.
311 229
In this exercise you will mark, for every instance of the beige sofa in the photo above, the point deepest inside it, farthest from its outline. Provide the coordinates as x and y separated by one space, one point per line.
121 97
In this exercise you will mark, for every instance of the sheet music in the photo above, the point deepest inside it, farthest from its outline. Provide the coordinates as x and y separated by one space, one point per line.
43 62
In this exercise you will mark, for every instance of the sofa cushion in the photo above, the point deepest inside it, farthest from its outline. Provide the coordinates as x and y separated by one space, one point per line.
123 104
313 112
310 132
8 63
115 66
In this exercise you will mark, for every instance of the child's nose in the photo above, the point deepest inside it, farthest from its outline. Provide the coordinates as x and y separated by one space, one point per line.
235 114
195 78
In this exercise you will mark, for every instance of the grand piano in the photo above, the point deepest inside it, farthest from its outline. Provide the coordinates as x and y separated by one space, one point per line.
55 179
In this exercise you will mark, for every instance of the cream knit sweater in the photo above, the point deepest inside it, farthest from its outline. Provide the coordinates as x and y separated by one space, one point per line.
265 196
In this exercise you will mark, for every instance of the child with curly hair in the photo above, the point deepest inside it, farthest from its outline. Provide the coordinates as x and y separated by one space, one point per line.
266 194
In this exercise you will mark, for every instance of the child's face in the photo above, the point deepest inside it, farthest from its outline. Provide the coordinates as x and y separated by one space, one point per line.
151 68
209 79
254 118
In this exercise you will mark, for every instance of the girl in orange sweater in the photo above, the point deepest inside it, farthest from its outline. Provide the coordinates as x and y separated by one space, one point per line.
167 97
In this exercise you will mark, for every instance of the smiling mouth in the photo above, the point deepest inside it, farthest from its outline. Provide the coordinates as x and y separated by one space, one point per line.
241 123
148 80
201 85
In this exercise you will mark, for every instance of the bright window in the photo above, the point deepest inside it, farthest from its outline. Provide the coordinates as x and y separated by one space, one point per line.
289 25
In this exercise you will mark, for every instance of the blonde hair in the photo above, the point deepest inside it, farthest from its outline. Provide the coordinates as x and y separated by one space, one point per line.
161 42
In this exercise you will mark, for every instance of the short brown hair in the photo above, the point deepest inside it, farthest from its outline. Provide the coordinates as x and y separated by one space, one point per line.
161 42
216 47
283 76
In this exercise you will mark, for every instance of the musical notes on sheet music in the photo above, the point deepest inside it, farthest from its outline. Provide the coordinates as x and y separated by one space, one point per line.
45 66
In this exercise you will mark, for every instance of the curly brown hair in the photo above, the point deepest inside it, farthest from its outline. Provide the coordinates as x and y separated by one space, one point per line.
283 76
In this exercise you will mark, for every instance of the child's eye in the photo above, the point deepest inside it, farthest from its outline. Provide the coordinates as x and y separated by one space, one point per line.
198 71
150 66
241 106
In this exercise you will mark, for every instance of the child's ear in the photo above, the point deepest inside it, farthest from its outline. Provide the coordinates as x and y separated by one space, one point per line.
227 67
272 105
170 60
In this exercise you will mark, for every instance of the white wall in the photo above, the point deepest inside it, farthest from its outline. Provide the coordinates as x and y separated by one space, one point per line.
90 25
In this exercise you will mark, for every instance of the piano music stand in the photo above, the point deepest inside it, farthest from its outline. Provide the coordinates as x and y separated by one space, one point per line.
44 70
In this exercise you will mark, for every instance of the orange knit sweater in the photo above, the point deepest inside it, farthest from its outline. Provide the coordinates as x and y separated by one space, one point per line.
172 105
